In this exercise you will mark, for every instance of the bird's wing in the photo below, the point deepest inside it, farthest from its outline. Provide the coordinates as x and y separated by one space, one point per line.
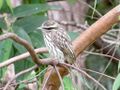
62 40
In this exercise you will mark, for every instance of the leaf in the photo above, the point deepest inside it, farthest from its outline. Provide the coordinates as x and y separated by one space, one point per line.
21 86
5 52
116 85
21 33
119 17
37 39
68 83
30 23
5 49
9 5
119 66
27 63
22 65
2 23
1 3
72 1
31 75
35 1
29 9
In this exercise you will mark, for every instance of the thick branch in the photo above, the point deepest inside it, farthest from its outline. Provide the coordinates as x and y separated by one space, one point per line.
84 40
96 30
99 43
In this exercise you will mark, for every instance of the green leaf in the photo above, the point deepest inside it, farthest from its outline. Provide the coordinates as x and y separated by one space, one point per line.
68 83
119 17
21 33
27 63
5 49
116 85
22 65
30 23
37 39
119 66
21 86
5 52
2 23
19 47
29 9
1 3
72 1
31 75
9 5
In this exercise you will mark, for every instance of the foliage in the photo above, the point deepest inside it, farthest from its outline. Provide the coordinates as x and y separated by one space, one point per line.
24 21
116 85
95 61
67 82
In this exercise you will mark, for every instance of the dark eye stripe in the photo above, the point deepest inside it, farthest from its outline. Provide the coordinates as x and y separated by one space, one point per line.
50 28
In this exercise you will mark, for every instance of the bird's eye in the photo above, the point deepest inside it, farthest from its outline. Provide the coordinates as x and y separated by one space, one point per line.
49 28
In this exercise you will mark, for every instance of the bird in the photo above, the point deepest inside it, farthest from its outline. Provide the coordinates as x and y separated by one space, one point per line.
57 42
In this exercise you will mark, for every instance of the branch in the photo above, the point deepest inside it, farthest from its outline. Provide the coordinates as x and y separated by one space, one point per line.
19 74
54 82
26 81
46 79
22 42
30 49
96 30
99 43
21 57
99 73
60 78
105 55
83 72
86 39
70 23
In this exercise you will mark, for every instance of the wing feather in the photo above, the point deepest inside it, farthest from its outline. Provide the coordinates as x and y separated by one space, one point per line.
62 40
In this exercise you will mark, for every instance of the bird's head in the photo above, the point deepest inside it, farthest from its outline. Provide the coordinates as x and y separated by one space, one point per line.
49 25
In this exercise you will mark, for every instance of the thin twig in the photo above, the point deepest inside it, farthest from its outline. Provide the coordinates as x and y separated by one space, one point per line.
22 42
116 47
26 81
59 77
33 77
22 57
19 74
89 70
83 72
44 84
100 54
66 23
